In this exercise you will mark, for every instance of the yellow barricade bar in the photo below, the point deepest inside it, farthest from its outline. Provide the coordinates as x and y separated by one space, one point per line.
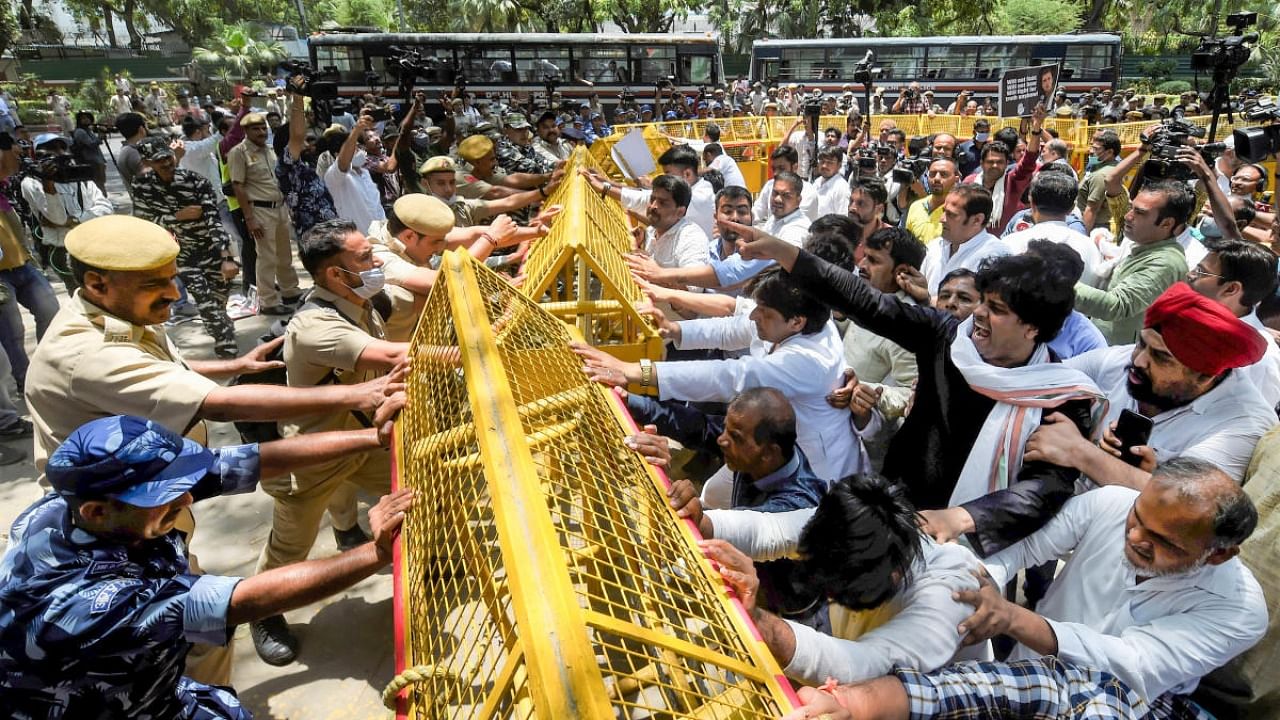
541 573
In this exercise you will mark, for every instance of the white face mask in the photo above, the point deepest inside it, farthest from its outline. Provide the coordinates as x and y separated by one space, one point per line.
372 282
360 158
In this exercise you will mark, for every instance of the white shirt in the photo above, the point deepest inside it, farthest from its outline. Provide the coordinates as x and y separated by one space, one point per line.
202 157
793 228
684 244
939 261
1264 374
804 150
121 104
917 628
1222 426
804 368
833 196
355 197
729 169
79 201
1158 636
762 211
1057 231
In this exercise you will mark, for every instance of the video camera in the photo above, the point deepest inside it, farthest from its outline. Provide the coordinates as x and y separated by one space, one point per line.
1165 141
62 169
1225 55
316 84
865 157
666 84
865 70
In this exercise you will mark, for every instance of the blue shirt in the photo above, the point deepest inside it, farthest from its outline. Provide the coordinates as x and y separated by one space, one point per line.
794 486
92 628
1078 335
1021 220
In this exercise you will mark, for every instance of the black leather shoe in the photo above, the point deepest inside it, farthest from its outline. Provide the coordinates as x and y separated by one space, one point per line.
276 310
274 641
349 539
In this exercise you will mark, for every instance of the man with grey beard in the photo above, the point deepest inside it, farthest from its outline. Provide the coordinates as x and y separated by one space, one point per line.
1151 594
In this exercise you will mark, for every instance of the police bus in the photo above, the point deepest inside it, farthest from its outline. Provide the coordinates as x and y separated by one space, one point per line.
516 66
947 65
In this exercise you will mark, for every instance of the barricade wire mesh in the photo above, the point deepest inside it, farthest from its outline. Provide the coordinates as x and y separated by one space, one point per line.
578 274
541 573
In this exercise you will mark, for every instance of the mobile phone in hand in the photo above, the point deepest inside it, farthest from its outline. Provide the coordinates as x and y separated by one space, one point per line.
1132 429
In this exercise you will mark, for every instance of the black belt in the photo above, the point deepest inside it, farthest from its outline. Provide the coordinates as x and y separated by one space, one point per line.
265 204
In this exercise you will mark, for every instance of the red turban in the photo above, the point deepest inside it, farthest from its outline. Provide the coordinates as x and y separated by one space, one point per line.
1202 333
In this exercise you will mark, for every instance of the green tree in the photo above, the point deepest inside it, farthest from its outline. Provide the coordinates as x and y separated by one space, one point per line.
1038 17
238 53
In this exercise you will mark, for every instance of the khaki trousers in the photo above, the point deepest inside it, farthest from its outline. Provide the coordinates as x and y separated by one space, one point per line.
275 255
209 664
302 498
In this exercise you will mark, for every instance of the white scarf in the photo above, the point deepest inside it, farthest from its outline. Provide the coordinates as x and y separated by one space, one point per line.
997 204
1021 395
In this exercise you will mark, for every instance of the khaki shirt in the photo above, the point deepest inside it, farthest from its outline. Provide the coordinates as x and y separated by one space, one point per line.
467 213
320 341
398 267
256 168
92 364
472 186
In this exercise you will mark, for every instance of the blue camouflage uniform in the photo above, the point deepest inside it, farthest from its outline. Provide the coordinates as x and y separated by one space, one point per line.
93 628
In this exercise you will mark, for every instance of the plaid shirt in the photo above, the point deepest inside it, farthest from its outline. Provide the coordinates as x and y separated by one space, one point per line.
1040 689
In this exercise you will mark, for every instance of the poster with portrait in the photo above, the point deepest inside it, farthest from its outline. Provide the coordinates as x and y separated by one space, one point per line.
1021 89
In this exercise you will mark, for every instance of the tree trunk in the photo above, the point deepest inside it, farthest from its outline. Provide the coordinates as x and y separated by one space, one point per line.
135 37
109 23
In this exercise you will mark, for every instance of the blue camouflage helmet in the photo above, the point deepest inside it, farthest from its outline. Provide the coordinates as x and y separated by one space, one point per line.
129 459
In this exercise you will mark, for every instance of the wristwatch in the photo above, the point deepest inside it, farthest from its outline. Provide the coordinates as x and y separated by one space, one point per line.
646 372
604 189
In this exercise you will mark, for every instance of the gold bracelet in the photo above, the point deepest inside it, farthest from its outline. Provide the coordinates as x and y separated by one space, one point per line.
646 372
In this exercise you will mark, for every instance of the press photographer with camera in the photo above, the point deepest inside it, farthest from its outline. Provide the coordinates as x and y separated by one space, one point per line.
61 195
910 101
86 146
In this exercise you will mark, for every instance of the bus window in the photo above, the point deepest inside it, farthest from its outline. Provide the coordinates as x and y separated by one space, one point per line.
487 64
995 59
901 62
696 70
801 64
602 65
654 63
1089 62
348 61
950 63
538 65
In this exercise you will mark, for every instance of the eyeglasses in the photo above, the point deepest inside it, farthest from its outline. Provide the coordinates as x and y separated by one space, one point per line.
1199 272
784 195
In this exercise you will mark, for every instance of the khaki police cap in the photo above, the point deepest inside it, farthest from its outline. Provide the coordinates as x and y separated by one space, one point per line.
440 163
253 118
424 214
474 148
121 242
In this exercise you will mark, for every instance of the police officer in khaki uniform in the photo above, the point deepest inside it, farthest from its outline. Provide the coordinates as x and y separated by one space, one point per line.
336 338
480 177
420 227
252 166
439 178
106 353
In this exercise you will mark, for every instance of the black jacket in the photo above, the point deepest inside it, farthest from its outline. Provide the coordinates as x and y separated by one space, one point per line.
933 444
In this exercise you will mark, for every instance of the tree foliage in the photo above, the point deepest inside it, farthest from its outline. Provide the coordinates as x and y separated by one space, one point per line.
1038 17
238 52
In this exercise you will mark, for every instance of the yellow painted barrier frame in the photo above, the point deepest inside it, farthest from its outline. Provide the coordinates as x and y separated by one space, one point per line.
555 663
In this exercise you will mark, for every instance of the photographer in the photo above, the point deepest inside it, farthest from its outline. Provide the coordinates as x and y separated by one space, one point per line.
910 101
61 196
86 147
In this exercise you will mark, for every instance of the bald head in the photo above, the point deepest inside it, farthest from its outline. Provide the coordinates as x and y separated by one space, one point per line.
1205 487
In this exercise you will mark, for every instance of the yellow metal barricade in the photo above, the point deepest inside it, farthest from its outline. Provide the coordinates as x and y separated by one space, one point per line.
578 274
541 573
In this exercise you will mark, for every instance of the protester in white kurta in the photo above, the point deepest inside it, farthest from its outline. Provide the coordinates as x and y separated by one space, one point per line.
915 629
1159 635
969 255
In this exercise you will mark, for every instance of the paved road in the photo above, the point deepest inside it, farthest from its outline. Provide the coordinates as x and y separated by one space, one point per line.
347 652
